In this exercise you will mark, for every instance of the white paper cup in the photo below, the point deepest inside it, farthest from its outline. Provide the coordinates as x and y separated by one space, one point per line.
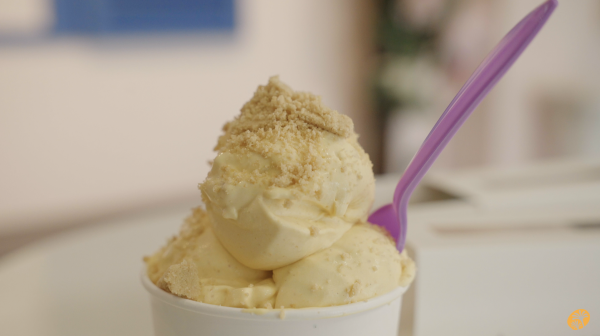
174 316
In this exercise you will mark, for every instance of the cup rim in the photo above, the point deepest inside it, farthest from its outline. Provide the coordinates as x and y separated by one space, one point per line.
262 314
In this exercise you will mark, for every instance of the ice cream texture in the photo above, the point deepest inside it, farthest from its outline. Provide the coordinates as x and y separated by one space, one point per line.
289 180
194 265
363 264
285 223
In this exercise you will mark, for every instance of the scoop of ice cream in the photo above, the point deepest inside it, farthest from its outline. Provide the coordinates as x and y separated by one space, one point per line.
289 179
194 265
363 264
285 193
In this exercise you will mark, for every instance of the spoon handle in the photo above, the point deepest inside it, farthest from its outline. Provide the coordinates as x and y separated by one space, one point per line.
468 98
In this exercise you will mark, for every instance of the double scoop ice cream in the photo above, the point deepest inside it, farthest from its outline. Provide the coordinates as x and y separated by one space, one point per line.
286 201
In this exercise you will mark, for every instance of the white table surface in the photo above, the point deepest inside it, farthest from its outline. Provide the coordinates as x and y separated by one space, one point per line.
85 281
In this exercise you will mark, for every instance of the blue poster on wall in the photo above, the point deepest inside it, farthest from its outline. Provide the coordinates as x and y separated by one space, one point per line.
123 16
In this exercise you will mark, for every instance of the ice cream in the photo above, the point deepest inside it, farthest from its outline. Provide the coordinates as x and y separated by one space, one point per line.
194 265
363 264
289 180
286 200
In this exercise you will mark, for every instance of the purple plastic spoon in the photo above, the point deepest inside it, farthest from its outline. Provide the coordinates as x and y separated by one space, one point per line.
494 66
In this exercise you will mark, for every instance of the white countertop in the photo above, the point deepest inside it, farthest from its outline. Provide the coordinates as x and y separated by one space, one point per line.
85 281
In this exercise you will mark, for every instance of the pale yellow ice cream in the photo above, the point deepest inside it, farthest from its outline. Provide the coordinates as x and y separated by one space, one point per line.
194 265
287 200
289 180
363 264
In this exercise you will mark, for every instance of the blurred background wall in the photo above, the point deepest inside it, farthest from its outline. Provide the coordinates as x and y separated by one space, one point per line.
96 122
546 106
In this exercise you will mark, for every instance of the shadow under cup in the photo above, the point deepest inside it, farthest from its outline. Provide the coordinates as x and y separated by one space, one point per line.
175 316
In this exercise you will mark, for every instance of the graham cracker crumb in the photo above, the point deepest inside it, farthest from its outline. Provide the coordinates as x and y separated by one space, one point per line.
354 289
181 279
291 125
276 104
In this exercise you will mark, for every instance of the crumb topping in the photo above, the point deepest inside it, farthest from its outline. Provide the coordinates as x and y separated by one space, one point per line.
279 122
276 105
